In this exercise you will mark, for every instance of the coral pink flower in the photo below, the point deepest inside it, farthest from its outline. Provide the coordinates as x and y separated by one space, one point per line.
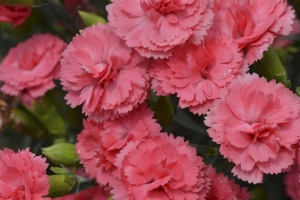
100 71
223 189
197 72
292 184
254 24
155 27
99 143
29 68
284 42
256 123
14 14
22 175
161 167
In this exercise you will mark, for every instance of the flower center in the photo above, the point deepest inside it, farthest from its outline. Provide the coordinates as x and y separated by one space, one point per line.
243 26
260 130
29 60
199 64
165 6
101 71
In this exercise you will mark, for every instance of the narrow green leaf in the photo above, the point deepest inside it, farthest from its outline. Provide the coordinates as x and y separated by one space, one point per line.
298 91
164 111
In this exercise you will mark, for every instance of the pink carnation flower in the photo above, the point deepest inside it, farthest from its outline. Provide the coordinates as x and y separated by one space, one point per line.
198 72
155 27
99 143
161 167
292 184
14 14
254 24
222 188
256 123
29 68
102 73
22 175
284 42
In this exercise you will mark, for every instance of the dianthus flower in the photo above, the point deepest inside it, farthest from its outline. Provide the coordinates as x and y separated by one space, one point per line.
22 175
198 72
254 24
161 167
14 14
99 143
29 68
155 27
292 184
100 71
222 188
284 42
256 123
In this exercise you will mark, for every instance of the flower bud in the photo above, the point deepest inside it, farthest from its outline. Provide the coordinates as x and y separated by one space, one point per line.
271 67
62 154
90 18
27 124
60 185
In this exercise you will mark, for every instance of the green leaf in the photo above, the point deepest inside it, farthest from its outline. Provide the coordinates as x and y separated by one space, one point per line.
298 91
258 193
212 151
89 18
164 111
186 121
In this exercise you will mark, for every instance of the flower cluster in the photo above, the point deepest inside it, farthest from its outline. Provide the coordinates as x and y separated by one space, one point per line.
198 72
198 50
99 143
